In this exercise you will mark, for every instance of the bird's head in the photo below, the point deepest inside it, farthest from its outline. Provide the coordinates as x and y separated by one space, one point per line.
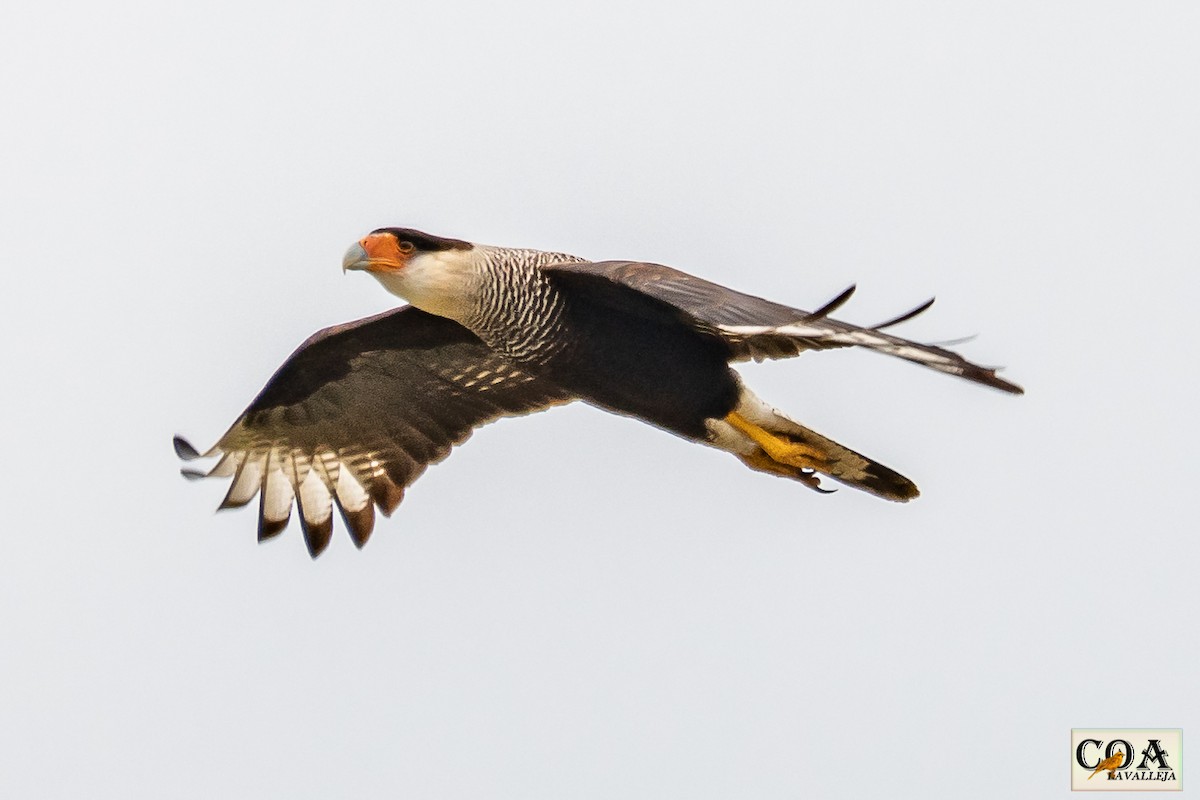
433 273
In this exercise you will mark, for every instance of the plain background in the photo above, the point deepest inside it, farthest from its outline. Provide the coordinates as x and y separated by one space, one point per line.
577 605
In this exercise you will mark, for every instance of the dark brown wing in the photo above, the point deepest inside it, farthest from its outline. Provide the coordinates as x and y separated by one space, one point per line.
356 414
752 327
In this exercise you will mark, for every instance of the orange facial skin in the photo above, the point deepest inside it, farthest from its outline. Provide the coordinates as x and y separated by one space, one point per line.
385 253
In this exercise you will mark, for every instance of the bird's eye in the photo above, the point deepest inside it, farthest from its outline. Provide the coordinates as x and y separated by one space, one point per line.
406 247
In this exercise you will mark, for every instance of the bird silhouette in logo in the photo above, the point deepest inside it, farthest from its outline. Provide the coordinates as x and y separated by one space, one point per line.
1112 764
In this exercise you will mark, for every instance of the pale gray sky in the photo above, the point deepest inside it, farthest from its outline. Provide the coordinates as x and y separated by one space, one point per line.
576 605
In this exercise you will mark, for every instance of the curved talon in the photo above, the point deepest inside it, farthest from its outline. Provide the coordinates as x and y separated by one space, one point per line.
761 461
813 481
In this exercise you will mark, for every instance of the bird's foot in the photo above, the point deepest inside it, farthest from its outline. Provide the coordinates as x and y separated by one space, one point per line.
759 460
780 448
778 454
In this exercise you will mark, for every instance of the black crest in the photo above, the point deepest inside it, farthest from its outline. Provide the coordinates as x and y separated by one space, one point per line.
424 242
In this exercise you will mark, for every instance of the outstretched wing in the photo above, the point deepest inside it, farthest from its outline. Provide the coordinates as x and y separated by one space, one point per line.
753 328
356 414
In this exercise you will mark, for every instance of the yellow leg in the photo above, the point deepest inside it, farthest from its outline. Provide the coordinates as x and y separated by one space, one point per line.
778 448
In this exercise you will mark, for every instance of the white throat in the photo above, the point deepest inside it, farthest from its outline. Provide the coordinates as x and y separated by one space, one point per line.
444 283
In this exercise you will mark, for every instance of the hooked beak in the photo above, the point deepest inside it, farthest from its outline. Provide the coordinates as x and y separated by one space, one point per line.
355 258
378 252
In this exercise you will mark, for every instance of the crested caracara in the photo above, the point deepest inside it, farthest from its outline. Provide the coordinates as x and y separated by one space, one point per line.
355 415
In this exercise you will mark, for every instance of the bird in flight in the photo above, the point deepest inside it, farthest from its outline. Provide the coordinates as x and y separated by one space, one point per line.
359 410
